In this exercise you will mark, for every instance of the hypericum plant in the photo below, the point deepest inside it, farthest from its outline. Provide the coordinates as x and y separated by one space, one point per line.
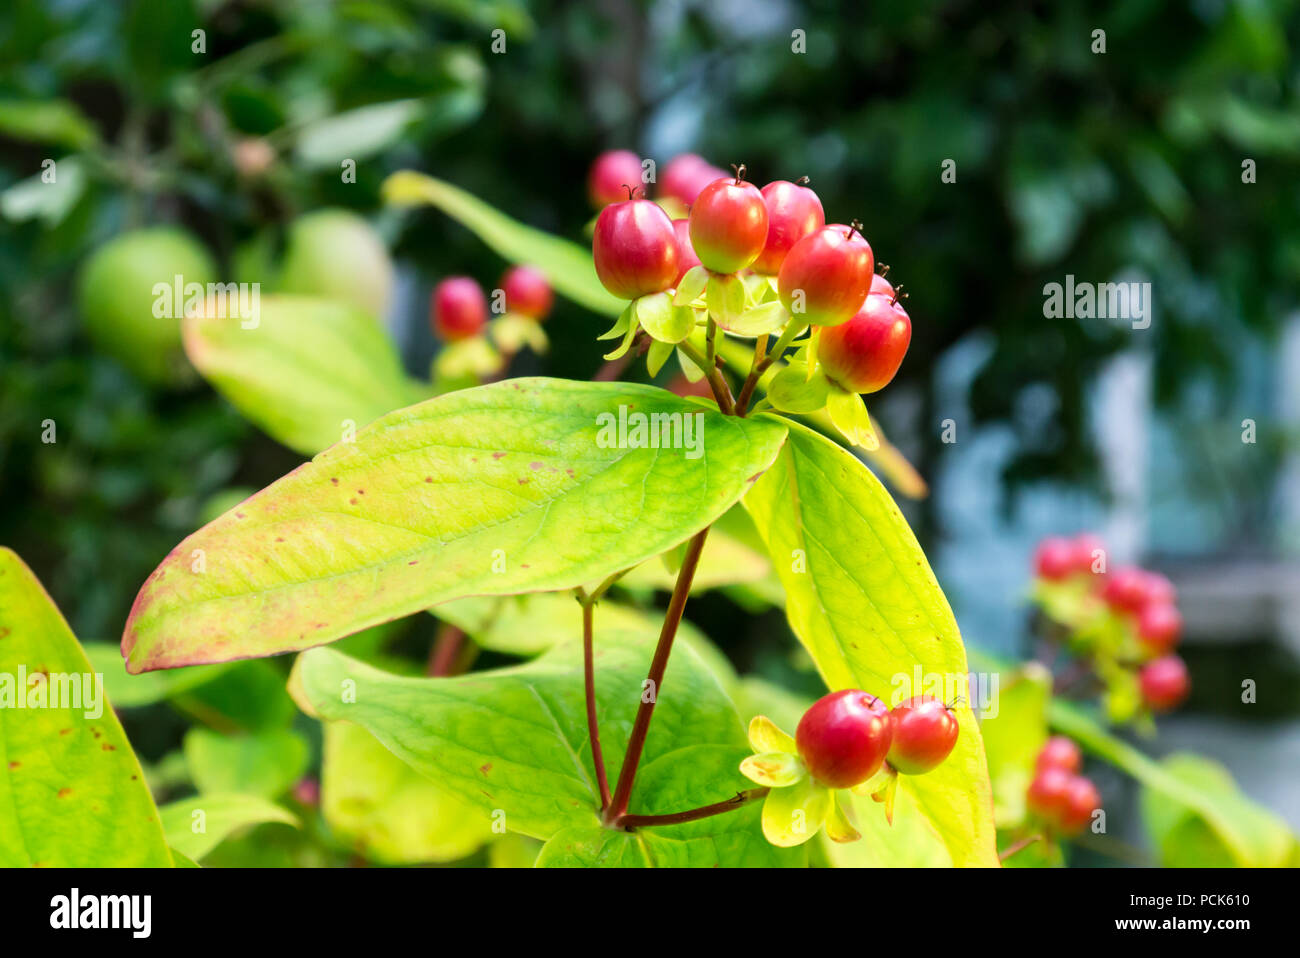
545 485
1120 624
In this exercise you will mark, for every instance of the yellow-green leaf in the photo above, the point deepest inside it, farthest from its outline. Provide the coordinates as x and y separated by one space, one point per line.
72 794
862 599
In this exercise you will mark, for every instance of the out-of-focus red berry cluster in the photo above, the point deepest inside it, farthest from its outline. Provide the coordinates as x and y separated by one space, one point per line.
1138 603
1059 797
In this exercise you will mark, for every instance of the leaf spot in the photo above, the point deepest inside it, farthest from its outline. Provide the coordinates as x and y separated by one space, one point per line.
485 768
64 792
499 455
334 480
108 748
14 765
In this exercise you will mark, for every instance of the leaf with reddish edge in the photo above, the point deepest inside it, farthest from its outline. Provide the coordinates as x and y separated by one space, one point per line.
520 486
868 609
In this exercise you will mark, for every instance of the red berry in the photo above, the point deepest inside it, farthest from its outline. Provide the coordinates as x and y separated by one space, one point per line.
686 175
686 258
1125 589
1086 548
863 354
832 268
1159 627
1081 800
793 211
1160 591
1059 752
925 730
1164 683
635 249
1049 794
1054 558
881 286
610 176
528 292
459 308
844 737
728 224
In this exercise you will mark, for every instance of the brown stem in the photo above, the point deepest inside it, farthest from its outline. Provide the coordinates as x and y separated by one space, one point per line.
658 665
739 800
762 362
721 391
589 679
446 649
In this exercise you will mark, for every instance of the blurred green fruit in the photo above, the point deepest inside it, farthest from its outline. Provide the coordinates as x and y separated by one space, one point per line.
126 311
337 255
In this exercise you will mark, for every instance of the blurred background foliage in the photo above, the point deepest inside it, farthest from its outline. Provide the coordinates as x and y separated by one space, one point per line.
1127 163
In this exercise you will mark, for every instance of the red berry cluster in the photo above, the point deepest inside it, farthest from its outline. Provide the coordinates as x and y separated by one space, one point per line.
824 275
846 737
1145 601
1059 797
459 309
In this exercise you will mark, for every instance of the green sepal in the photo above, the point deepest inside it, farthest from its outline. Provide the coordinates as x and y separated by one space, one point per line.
658 355
512 332
791 816
467 358
691 286
849 415
757 320
662 320
839 827
725 296
792 391
629 316
766 736
774 769
621 324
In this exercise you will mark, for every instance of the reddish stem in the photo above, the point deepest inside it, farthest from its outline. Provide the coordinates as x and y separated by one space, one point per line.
658 665
589 677
1019 846
739 800
446 649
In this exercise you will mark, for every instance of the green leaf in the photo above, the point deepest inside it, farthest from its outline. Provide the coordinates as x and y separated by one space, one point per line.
354 134
265 763
57 122
195 826
72 794
514 487
385 810
310 373
33 198
529 625
127 691
863 601
514 741
1248 833
1013 739
568 266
